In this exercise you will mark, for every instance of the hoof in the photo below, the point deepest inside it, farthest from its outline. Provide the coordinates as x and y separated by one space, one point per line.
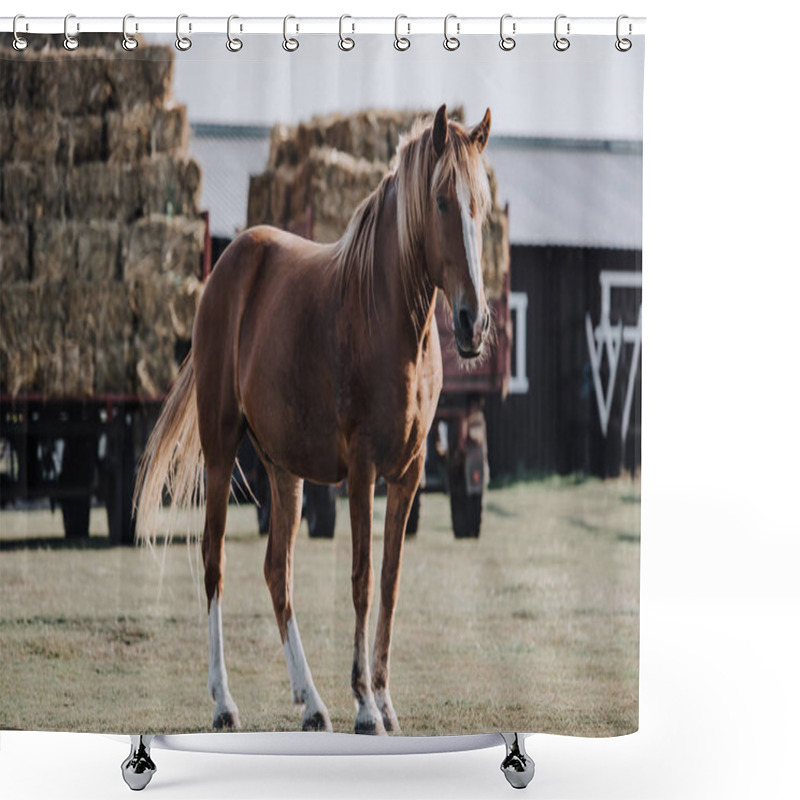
371 726
317 722
390 722
226 720
138 769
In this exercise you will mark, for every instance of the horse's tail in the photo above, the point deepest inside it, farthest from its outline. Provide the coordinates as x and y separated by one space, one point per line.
173 459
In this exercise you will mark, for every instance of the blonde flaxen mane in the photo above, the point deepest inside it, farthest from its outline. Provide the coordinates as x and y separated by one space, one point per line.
419 175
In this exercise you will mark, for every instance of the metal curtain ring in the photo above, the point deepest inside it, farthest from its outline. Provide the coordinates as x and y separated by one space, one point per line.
561 43
400 42
70 42
182 43
345 42
233 44
289 45
623 45
20 43
507 42
128 42
451 42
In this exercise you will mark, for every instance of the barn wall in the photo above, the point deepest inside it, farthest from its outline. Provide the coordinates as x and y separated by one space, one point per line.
555 427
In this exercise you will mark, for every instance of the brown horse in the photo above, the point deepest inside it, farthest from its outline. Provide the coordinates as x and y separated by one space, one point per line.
328 357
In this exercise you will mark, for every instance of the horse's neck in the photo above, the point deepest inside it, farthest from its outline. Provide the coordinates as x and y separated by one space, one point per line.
409 317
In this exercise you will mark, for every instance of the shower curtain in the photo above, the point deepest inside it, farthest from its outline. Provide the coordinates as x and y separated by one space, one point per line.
125 175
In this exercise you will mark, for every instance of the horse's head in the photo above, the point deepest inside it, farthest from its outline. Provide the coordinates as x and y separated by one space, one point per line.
457 204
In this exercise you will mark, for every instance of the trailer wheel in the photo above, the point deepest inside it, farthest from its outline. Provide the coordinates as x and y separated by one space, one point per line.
75 513
320 510
466 509
77 472
118 475
412 526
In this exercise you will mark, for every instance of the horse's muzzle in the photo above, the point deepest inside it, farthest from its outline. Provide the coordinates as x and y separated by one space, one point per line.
470 331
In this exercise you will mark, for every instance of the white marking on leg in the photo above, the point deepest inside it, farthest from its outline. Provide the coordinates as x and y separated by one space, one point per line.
303 689
217 674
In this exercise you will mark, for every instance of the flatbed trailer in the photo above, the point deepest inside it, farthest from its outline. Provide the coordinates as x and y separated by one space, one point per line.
71 450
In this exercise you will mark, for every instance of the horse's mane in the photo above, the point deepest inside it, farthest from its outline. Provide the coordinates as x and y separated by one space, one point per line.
417 172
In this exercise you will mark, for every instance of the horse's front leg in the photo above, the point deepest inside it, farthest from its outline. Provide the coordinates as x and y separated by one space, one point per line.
361 486
399 499
287 498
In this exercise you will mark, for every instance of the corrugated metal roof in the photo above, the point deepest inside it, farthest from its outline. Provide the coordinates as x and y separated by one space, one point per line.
587 196
560 192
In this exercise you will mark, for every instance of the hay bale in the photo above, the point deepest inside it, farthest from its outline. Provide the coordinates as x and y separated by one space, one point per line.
54 251
496 256
170 131
159 244
81 313
71 83
183 303
98 251
81 139
146 131
35 135
15 78
337 184
17 353
170 186
6 133
162 259
373 135
32 191
329 182
113 364
154 341
103 191
140 77
14 263
31 339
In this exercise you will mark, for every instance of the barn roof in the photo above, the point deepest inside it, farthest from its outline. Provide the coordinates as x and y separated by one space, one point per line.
573 192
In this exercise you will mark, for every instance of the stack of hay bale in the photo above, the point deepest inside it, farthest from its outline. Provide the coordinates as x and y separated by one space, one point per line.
318 172
101 241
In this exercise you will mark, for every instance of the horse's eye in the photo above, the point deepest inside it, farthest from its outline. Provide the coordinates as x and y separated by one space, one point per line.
441 203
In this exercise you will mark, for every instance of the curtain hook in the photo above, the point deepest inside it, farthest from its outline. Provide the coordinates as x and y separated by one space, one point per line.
623 45
451 42
182 43
289 45
507 42
128 42
561 43
70 42
401 42
233 44
20 43
345 42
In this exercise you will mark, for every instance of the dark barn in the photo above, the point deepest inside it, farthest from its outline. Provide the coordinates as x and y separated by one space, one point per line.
541 426
574 401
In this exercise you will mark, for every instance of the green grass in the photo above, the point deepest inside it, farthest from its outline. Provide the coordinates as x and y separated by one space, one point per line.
534 626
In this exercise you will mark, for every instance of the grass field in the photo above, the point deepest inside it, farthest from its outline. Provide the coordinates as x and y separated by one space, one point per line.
534 626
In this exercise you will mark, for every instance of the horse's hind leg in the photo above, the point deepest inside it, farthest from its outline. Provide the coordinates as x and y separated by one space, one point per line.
218 486
287 499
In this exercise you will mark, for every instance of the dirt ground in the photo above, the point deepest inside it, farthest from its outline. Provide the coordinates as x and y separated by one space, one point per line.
534 626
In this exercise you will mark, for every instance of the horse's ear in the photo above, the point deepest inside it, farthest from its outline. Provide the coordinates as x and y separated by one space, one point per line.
480 133
440 130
